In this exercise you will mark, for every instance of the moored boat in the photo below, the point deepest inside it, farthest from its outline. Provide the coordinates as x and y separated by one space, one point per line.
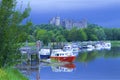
90 47
63 56
107 45
44 53
72 48
102 45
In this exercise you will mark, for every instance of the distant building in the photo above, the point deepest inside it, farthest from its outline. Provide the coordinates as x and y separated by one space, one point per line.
80 24
68 24
52 21
55 21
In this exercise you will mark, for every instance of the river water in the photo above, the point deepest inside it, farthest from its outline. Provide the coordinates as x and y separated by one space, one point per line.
89 65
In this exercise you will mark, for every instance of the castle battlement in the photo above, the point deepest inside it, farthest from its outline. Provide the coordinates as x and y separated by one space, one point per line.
68 24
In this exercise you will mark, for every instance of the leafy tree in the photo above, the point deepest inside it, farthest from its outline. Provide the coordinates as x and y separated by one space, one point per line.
60 38
99 32
82 35
11 31
112 33
95 32
31 38
109 34
40 33
73 35
93 37
116 33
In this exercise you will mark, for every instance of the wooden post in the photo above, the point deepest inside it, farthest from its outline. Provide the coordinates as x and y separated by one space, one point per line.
38 45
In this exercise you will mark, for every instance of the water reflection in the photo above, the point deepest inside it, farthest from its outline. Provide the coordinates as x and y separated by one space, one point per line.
69 67
33 71
89 65
88 56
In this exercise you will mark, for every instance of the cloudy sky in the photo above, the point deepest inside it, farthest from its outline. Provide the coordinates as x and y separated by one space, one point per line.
102 12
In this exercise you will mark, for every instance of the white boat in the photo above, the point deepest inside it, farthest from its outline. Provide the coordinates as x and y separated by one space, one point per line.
44 53
98 46
72 48
107 45
75 48
57 50
102 45
90 47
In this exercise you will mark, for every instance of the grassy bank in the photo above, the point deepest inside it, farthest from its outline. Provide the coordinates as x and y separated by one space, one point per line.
11 74
115 43
29 44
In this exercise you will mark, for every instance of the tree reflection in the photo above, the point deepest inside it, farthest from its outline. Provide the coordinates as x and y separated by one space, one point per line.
92 55
86 56
113 53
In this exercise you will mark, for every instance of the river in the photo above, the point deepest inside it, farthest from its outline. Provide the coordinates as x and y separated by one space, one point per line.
89 65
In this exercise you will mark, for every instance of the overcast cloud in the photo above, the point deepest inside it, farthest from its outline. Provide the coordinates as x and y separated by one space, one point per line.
70 4
102 12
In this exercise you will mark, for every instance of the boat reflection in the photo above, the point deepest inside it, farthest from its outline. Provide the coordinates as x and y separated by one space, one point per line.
69 67
57 66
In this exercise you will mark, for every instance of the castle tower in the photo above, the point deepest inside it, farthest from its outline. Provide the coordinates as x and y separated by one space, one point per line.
52 21
57 21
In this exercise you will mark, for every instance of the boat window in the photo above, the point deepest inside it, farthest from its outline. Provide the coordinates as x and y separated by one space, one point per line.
57 54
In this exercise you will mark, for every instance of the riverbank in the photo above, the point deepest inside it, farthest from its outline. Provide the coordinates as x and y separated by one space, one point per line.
11 74
115 43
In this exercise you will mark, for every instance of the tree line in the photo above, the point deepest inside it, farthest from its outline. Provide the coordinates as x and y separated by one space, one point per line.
50 33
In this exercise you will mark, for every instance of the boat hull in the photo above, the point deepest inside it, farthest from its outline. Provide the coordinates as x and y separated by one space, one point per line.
44 56
63 59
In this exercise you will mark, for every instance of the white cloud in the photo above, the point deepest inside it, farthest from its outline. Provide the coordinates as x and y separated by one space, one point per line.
70 4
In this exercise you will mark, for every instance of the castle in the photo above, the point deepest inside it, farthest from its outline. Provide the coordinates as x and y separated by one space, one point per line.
68 24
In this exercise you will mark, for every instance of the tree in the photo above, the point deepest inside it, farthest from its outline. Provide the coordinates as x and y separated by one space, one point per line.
95 32
60 38
112 33
109 33
116 33
82 35
73 34
93 37
99 32
11 31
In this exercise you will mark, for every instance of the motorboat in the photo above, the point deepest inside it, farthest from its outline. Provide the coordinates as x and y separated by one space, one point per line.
44 53
62 56
72 48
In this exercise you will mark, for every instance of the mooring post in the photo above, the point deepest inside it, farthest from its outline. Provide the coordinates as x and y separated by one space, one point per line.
38 45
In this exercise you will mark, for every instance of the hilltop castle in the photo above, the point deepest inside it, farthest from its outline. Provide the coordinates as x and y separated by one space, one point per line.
68 24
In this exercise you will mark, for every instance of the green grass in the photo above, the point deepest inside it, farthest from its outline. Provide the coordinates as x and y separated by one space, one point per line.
11 74
30 44
115 43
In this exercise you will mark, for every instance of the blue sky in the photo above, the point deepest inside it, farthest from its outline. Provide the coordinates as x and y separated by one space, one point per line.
102 12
